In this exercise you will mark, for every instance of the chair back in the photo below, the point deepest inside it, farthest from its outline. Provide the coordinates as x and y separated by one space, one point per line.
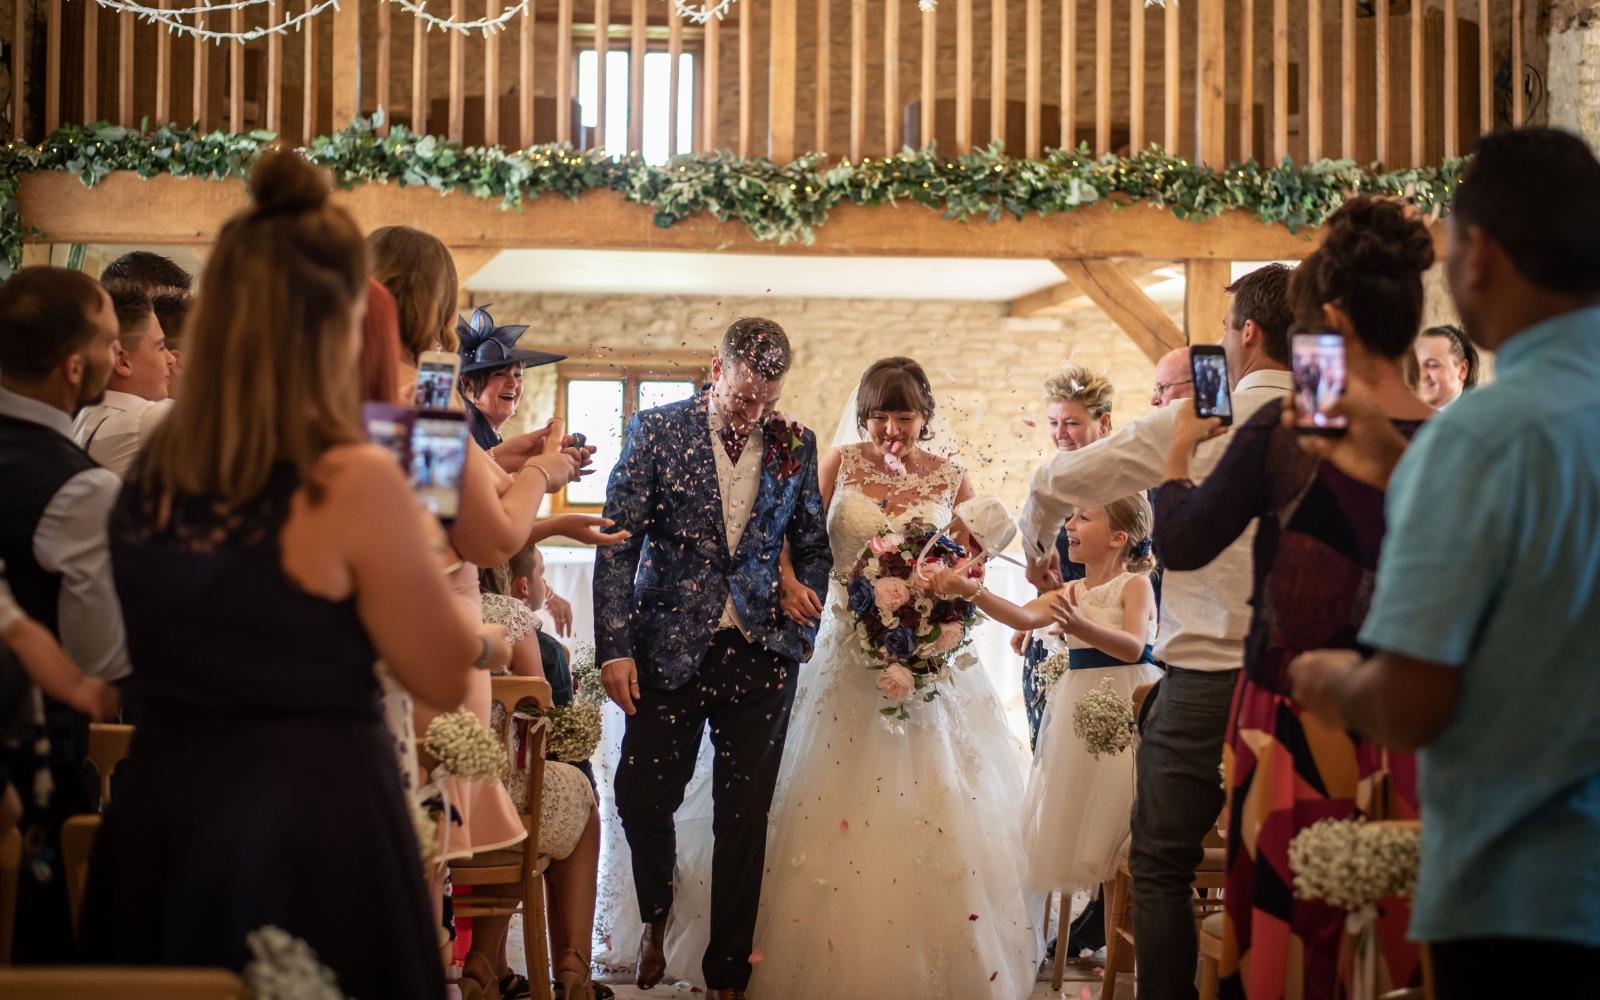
508 693
10 875
108 745
77 844
102 983
1140 693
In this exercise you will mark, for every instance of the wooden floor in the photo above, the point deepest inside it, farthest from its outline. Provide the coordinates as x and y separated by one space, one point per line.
1081 988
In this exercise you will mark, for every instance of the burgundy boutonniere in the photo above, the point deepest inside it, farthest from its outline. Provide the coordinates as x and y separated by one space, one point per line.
784 441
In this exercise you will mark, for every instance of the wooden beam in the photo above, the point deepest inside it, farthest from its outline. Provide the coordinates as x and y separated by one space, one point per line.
1119 297
121 208
470 260
1205 300
1064 296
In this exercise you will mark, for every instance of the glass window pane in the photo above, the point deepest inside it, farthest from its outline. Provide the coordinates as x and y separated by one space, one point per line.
660 392
685 102
656 126
588 101
594 409
616 137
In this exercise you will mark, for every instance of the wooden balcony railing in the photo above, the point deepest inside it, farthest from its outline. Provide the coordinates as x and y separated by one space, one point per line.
1213 80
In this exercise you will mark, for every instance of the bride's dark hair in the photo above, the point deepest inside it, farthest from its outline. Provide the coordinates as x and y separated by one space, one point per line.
894 385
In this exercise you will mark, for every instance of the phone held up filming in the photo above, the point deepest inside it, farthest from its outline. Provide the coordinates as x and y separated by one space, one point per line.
1319 379
429 439
1208 367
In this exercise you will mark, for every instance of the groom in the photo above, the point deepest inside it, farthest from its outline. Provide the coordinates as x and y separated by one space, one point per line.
687 629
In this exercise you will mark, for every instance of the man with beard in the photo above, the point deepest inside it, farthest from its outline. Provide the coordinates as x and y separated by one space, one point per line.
58 331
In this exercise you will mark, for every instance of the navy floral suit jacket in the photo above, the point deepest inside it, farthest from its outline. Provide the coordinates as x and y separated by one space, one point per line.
658 597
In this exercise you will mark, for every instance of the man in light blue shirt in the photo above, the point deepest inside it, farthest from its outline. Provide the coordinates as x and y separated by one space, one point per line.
1487 614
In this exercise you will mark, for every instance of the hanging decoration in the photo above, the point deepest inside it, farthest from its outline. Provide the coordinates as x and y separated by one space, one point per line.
701 13
173 21
485 25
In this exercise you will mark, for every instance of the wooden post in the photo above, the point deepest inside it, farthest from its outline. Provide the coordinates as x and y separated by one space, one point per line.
52 66
824 99
963 75
1033 76
747 29
997 70
419 76
491 77
1102 77
385 67
891 75
1452 81
1280 80
163 107
564 72
91 62
1069 75
1171 58
1135 75
1485 69
1205 300
674 78
1247 80
19 73
235 70
781 82
1347 81
1419 18
858 78
708 79
127 24
456 100
930 67
602 52
636 49
275 67
1211 94
201 104
309 118
524 77
1381 37
1518 109
1314 80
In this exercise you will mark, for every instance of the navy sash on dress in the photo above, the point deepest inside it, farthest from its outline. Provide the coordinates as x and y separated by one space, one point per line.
1088 658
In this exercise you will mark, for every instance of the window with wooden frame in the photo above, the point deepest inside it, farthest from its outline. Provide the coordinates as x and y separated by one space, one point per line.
666 130
596 400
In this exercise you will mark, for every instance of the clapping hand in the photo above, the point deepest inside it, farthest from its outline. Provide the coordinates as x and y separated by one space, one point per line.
1370 447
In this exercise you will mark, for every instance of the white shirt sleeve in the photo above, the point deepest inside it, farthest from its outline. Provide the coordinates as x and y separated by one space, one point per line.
1127 461
72 540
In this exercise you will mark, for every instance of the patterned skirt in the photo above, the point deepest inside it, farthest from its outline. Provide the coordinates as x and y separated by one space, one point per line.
1288 770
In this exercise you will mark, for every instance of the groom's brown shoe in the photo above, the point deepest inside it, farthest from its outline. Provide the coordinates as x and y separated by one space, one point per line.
652 956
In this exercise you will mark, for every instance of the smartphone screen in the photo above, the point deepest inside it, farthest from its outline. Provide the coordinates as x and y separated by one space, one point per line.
1209 368
389 427
438 452
1319 375
436 379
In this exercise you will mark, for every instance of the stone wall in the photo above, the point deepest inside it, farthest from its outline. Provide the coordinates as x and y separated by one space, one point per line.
987 369
1574 78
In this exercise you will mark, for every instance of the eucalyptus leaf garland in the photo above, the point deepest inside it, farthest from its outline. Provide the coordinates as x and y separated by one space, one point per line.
777 203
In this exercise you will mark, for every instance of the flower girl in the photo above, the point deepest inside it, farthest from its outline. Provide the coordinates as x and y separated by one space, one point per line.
1075 819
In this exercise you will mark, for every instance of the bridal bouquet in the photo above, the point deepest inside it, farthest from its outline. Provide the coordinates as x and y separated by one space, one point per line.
909 634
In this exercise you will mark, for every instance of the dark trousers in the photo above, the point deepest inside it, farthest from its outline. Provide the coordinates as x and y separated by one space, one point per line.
1177 798
745 692
1503 967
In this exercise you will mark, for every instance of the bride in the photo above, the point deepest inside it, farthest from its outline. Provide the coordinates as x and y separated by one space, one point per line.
895 859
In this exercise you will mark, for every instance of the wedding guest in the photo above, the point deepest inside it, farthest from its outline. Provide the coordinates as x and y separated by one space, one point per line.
1447 365
172 309
1204 616
1317 538
258 522
1479 647
146 271
58 332
113 430
380 346
1174 378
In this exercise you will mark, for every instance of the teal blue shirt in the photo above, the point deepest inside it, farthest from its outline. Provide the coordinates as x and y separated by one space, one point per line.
1492 564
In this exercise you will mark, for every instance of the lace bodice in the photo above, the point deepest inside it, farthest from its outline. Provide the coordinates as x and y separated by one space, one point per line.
866 500
1103 606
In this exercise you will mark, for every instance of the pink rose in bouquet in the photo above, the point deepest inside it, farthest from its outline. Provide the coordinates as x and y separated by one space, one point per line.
891 594
950 637
896 682
885 544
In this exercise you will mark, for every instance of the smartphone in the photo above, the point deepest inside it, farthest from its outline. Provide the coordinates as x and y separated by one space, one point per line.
1208 366
1319 376
431 446
438 454
436 380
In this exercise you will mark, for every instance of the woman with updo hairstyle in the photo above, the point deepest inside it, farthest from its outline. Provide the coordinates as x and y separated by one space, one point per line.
1447 365
1316 553
265 556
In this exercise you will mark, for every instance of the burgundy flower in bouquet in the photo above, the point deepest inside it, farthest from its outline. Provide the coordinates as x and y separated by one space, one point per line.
910 635
785 438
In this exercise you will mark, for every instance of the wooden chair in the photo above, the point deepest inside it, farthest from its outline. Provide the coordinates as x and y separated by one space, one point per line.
10 874
1210 954
77 843
108 745
509 881
102 983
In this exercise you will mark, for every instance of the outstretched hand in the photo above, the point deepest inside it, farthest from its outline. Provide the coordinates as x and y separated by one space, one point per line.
1045 575
956 581
590 529
1064 609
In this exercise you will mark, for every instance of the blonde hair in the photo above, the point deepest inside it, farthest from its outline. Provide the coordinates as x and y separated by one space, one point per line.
270 350
419 272
1076 384
1134 516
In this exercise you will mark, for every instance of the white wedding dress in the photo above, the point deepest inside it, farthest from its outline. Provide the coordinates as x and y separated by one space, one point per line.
895 864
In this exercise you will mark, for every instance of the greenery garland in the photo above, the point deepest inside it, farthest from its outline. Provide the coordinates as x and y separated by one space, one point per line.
776 203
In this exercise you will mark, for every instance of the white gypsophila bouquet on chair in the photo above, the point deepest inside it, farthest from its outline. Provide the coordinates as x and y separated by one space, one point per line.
1352 864
574 729
1103 720
464 747
284 967
586 674
1050 671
